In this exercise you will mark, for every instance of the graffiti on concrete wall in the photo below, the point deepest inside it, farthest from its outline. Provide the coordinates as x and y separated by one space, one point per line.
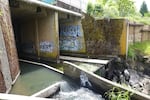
71 37
46 46
71 30
71 44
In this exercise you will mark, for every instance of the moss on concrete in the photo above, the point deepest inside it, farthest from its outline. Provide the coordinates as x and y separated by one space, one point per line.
103 36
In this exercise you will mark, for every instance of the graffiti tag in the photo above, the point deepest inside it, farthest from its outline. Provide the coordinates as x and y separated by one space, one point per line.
46 46
70 37
70 30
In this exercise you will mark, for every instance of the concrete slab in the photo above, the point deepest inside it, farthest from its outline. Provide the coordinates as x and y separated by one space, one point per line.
97 61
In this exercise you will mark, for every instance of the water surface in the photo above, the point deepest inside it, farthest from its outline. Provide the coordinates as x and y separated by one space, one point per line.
33 78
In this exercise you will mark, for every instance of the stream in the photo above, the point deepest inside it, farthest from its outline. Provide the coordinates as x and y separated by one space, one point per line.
34 78
72 91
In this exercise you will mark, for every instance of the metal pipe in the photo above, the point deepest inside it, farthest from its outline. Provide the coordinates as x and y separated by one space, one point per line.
39 3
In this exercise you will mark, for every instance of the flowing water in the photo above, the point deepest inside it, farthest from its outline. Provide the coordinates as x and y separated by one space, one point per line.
71 92
33 78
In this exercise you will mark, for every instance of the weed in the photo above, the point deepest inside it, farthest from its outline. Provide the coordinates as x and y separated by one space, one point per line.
117 94
139 48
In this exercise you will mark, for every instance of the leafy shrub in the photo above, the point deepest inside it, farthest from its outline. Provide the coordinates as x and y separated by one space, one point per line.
117 94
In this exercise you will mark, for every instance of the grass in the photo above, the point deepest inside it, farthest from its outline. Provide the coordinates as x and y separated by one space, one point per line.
140 48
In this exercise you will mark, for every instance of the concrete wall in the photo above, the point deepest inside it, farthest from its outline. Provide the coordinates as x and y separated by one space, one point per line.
48 35
5 75
27 39
138 32
105 37
39 36
9 67
74 3
7 30
2 83
80 4
71 35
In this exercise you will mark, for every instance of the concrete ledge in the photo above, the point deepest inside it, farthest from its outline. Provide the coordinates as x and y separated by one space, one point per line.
74 71
16 78
49 91
19 97
42 4
41 64
97 61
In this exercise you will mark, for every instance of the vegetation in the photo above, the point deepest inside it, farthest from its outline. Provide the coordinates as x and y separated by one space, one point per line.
118 9
143 8
117 94
142 48
90 9
126 8
0 13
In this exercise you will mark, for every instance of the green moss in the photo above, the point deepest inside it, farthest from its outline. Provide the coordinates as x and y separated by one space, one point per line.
58 66
104 34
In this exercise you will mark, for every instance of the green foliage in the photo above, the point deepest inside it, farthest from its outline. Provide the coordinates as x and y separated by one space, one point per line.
147 14
90 9
143 8
117 94
110 9
139 47
98 10
126 7
131 52
117 9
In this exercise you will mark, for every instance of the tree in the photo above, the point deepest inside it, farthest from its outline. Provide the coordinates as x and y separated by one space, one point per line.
98 10
126 8
110 9
143 8
90 8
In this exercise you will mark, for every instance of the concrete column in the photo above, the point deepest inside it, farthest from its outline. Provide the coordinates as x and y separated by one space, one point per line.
7 30
5 75
48 34
57 33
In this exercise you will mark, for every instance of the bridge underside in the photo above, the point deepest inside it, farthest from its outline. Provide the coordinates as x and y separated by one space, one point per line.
43 33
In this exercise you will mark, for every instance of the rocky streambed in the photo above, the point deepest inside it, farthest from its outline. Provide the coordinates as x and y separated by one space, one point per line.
139 81
118 70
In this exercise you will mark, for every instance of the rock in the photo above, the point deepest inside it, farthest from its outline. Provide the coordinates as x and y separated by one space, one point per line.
126 74
146 59
134 77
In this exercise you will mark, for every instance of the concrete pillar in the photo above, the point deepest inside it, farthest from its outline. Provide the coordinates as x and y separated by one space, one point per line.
7 30
57 33
48 34
5 75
